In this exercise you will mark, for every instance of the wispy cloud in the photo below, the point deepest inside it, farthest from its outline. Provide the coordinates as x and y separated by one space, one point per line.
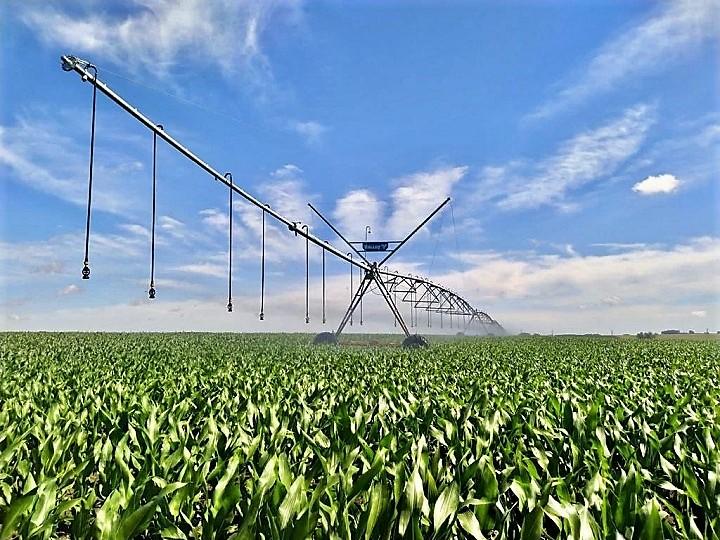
357 209
585 158
286 192
648 288
204 269
636 289
416 195
157 36
412 199
173 227
69 290
39 154
136 229
311 131
217 219
675 28
653 185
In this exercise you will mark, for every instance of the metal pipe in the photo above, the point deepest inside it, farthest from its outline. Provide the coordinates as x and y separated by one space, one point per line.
86 262
230 243
71 63
151 290
262 270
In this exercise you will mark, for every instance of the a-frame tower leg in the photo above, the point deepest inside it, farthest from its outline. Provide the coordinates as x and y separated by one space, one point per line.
370 277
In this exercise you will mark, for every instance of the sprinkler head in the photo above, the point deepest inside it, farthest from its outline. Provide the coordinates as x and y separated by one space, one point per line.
151 293
229 307
307 320
262 316
86 271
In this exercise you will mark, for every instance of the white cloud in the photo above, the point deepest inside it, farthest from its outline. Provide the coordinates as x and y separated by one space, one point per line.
311 131
357 209
620 246
677 27
216 219
583 159
134 228
652 185
70 289
416 195
204 269
285 191
158 36
642 288
639 289
701 313
172 226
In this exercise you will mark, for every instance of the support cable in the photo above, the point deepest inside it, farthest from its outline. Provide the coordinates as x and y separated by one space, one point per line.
323 287
307 276
230 242
262 270
86 262
151 291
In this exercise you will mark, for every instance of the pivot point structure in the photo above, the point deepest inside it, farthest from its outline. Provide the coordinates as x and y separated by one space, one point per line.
422 294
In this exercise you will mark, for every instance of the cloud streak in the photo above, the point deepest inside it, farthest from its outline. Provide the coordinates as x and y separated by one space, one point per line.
311 131
158 36
40 155
643 288
674 29
581 160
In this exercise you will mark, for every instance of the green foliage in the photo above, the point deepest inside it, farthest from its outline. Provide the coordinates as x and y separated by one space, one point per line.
225 436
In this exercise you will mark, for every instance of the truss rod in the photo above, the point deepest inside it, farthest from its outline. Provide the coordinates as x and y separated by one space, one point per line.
416 229
350 244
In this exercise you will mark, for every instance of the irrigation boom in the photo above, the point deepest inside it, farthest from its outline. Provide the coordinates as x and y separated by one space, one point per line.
433 298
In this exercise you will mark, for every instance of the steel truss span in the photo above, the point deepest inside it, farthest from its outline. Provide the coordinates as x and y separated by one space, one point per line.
420 293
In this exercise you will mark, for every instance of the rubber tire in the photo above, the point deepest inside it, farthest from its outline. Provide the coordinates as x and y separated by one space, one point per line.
325 338
414 342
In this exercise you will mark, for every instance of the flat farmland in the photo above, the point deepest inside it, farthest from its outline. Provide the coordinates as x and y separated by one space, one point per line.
235 436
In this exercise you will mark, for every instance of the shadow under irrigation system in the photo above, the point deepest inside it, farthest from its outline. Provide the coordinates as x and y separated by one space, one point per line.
421 293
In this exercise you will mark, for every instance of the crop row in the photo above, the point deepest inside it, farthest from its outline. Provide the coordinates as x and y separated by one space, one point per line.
220 436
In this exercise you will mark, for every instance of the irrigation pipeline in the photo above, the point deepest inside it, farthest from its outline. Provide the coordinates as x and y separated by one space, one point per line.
71 63
88 73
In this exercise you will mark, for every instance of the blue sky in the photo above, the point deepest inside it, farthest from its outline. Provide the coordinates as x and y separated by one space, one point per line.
578 142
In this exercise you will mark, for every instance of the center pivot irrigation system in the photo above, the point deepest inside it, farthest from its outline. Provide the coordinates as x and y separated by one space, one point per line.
420 293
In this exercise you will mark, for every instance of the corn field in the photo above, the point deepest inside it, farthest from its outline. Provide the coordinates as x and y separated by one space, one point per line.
226 436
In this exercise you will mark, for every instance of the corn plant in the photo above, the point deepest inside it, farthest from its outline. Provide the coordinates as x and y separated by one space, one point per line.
223 436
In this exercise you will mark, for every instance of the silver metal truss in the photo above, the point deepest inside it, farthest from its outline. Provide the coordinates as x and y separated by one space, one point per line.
421 293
